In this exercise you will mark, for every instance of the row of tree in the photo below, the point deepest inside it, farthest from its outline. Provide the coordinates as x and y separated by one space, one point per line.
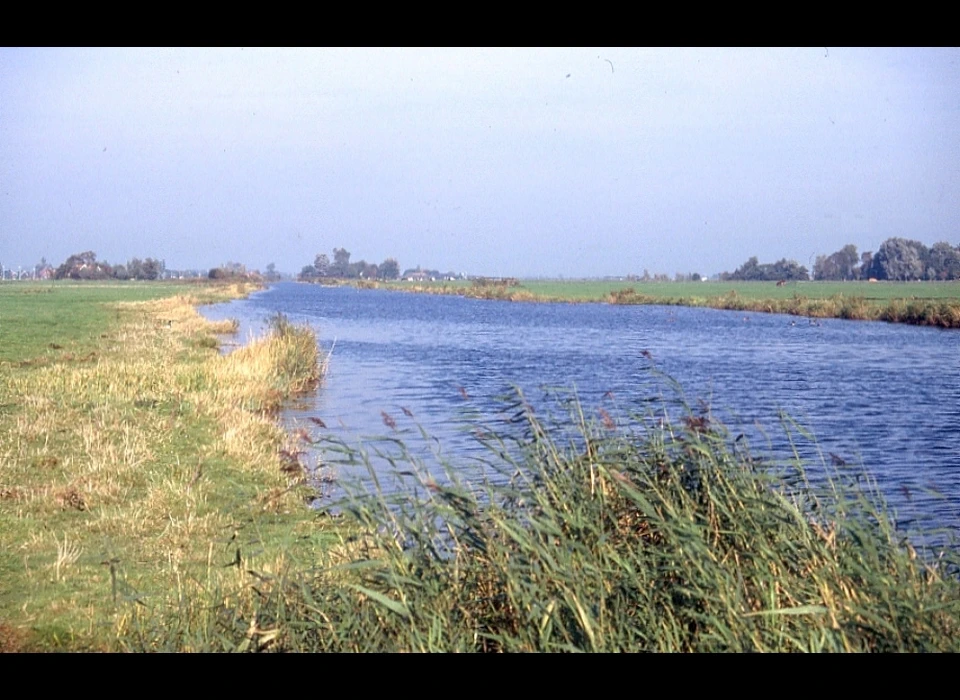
897 259
753 270
341 267
237 271
85 266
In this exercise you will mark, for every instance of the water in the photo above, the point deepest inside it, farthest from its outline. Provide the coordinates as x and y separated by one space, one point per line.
883 395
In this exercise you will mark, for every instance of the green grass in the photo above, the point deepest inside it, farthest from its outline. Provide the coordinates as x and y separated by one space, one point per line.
35 317
754 291
136 462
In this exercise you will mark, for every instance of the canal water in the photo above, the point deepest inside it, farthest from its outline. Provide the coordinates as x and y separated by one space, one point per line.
433 370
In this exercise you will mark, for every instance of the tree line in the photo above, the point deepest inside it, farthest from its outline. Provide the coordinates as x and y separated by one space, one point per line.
85 266
897 259
341 267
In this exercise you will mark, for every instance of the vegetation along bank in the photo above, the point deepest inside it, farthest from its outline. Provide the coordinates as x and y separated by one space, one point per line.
917 303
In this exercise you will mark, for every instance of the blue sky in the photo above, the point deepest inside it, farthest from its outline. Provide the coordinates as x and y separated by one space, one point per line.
523 162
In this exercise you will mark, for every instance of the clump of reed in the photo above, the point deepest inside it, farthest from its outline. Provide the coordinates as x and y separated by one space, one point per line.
601 535
629 295
943 314
296 359
268 370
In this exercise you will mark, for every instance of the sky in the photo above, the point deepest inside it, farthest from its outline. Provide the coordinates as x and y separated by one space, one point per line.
579 162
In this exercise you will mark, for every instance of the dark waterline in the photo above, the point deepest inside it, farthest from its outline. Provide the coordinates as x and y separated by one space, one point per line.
883 395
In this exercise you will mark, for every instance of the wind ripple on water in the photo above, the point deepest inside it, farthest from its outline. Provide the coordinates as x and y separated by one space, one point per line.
885 396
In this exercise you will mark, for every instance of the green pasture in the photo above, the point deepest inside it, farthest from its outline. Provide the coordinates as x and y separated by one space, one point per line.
41 318
597 290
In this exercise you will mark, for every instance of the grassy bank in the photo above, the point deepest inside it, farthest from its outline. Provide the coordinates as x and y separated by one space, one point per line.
136 462
917 303
644 536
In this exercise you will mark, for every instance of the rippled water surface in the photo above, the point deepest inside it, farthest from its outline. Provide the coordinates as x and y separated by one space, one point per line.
882 394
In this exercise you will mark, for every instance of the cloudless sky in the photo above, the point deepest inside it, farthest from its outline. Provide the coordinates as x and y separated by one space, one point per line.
522 162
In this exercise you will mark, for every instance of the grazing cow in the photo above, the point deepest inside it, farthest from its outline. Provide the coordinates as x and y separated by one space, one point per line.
782 283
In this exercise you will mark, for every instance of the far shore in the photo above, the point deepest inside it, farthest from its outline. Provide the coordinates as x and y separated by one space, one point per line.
916 303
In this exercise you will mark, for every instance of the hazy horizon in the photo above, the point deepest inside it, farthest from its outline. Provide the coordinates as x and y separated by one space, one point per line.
583 162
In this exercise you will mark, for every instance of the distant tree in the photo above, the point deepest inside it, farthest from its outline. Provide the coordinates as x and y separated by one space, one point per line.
308 272
120 272
943 262
824 268
150 270
321 265
847 260
235 269
841 265
900 259
362 270
231 270
783 269
389 269
866 264
84 266
341 263
750 270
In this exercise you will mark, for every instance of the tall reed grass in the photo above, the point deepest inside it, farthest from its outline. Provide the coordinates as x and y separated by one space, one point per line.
663 535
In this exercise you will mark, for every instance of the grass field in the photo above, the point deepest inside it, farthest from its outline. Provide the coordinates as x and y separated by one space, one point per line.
136 462
35 316
600 290
754 291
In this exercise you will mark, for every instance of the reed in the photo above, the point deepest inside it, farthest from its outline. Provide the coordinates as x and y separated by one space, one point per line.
919 312
647 534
